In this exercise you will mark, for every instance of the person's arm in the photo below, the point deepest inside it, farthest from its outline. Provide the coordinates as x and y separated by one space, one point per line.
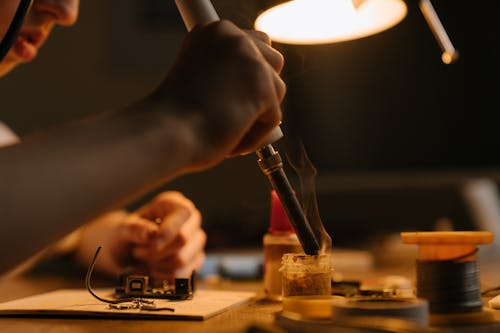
220 99
53 183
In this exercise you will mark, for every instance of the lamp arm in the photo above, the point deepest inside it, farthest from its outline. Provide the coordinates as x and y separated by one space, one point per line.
450 54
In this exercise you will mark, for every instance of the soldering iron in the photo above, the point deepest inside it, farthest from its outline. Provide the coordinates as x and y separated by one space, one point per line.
195 12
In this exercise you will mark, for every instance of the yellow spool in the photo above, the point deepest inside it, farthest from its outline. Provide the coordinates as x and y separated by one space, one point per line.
310 307
447 245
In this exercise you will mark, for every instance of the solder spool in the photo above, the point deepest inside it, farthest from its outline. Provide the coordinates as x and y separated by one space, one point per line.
448 275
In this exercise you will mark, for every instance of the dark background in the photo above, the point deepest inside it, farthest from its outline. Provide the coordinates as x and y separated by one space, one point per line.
394 133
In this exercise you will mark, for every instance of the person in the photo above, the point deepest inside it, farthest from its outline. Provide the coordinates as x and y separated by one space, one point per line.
174 246
220 99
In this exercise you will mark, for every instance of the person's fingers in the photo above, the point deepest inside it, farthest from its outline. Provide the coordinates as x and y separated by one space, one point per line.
255 138
170 210
195 265
170 227
187 254
263 43
163 204
137 230
280 87
260 35
187 259
271 116
150 253
186 237
167 238
167 272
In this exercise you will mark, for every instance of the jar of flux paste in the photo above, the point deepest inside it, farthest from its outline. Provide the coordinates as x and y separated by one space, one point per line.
305 274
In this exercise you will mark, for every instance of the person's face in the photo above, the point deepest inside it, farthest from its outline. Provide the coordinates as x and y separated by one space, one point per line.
39 21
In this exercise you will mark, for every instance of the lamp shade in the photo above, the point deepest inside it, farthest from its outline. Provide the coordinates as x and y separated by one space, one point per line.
329 21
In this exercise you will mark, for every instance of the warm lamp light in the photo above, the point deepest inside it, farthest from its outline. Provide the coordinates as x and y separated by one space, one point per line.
328 21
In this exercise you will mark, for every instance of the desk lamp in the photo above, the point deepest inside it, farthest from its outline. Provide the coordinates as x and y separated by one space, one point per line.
329 21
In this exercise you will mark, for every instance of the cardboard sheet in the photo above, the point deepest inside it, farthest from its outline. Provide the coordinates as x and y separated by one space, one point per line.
79 303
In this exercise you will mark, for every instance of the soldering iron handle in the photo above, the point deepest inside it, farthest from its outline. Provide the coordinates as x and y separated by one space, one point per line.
195 12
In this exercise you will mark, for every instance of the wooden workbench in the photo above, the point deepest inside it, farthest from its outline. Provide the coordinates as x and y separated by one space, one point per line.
258 313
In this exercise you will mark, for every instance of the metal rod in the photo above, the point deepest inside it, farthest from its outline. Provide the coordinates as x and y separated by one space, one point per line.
271 164
450 54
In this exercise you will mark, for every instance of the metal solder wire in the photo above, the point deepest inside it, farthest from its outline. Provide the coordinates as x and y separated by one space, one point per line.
450 286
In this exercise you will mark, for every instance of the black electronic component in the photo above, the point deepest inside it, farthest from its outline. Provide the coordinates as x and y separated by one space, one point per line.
136 291
140 286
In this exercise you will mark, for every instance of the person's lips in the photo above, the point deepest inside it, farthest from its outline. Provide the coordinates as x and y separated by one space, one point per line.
27 44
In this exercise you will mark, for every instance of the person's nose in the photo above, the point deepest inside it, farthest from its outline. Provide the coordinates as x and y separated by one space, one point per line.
65 12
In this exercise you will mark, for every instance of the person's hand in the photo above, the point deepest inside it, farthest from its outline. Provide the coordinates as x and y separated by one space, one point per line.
178 242
226 85
163 239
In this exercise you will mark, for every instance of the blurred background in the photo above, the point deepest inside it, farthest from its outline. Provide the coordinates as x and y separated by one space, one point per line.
400 141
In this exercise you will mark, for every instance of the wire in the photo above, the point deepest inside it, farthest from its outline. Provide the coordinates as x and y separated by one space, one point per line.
450 286
491 292
118 304
88 277
463 256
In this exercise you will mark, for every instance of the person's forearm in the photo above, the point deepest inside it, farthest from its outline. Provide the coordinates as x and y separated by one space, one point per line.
226 89
52 183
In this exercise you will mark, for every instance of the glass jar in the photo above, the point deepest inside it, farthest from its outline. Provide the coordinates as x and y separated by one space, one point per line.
304 274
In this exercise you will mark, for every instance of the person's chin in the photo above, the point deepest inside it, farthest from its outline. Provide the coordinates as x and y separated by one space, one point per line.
12 60
6 68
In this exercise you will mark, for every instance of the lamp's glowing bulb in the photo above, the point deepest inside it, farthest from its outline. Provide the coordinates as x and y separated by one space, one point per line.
328 21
